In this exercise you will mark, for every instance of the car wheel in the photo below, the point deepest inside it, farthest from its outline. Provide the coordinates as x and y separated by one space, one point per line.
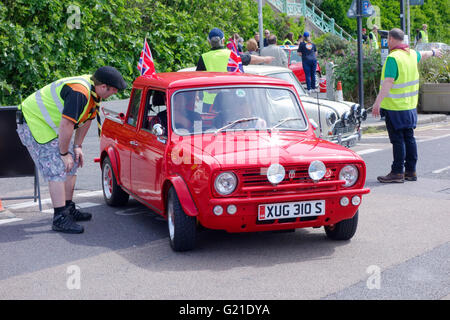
182 228
112 192
343 230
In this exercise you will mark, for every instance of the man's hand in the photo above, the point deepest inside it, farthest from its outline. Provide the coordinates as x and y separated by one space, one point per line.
376 110
68 162
79 157
268 59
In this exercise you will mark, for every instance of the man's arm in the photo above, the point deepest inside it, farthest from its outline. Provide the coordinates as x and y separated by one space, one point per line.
259 59
428 54
80 134
385 88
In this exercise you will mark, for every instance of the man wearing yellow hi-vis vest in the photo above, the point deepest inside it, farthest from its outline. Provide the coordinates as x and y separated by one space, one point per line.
46 122
217 59
397 101
373 38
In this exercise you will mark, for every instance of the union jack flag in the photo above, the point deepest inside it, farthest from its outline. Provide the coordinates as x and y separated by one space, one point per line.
234 62
145 64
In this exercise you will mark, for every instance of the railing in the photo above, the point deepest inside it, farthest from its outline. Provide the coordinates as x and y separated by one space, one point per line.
307 9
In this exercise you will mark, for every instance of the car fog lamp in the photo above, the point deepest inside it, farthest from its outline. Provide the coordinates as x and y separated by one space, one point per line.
350 174
356 200
231 209
344 201
317 170
218 210
225 183
275 173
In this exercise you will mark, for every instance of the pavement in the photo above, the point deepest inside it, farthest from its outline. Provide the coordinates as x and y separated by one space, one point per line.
376 124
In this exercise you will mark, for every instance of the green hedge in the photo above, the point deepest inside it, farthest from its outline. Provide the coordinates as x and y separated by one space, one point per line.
39 46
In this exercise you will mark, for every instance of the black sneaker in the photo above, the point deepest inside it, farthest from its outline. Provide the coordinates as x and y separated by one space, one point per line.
63 222
77 214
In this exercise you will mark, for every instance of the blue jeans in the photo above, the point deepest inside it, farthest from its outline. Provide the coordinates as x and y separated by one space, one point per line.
404 147
309 67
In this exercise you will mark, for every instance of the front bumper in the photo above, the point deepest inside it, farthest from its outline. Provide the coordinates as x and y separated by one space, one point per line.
348 141
246 217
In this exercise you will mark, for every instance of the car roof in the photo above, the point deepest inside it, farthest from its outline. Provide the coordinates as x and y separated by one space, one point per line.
264 70
289 47
169 80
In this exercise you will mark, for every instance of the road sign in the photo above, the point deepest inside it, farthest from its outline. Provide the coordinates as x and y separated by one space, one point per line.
367 9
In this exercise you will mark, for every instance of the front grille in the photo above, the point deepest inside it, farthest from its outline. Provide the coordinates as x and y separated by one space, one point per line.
296 177
339 128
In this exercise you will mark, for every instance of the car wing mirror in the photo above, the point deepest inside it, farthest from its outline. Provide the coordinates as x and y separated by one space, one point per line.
314 124
158 130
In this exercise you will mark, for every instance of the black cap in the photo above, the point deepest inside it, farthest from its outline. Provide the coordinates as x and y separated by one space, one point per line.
110 76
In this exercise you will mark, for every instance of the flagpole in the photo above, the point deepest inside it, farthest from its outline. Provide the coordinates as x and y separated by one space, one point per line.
260 21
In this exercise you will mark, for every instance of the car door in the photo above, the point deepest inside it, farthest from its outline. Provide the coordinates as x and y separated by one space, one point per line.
148 154
126 138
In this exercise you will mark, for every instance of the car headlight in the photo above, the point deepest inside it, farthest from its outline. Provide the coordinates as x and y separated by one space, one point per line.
225 183
275 173
317 170
331 118
350 174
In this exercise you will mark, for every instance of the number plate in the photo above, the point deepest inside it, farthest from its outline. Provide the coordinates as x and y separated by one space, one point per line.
291 210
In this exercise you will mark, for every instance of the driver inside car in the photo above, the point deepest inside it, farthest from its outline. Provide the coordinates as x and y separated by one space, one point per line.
233 106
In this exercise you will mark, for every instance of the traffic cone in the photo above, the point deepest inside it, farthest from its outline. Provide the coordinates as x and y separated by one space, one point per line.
339 94
4 213
323 84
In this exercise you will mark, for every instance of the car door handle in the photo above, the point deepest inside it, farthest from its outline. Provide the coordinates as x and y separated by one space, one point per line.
134 143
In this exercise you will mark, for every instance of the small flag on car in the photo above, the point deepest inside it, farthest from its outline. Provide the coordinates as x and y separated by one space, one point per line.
234 62
145 64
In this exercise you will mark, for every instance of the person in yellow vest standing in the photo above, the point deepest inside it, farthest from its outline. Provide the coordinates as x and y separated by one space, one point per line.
373 38
397 101
422 37
216 60
47 121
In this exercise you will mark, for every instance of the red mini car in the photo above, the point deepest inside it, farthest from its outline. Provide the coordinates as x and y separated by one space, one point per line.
230 152
295 64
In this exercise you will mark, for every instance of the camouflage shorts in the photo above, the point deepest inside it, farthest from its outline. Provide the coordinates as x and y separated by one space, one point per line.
46 156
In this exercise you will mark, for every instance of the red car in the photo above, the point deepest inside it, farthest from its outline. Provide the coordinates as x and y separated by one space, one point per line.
250 161
295 64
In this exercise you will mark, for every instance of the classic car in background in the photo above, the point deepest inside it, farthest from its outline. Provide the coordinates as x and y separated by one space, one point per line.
247 162
339 121
295 64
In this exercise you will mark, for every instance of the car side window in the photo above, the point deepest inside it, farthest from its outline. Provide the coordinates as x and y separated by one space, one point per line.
134 107
155 110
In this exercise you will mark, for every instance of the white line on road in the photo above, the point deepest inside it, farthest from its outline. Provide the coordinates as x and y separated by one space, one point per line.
45 201
366 151
10 220
441 170
435 138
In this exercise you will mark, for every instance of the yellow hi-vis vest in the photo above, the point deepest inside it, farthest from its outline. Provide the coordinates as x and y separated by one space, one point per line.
424 38
404 93
217 61
373 41
43 109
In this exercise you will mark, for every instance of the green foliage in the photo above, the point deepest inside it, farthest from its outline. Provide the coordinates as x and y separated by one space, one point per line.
328 45
39 45
435 70
435 13
346 71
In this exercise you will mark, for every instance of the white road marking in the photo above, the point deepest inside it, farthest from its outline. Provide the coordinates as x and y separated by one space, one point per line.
441 170
435 138
4 221
48 200
366 151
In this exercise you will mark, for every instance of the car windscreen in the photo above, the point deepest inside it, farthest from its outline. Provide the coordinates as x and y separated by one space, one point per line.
235 108
289 77
295 58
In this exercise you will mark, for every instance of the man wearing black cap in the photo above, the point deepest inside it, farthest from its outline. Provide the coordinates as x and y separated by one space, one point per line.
48 119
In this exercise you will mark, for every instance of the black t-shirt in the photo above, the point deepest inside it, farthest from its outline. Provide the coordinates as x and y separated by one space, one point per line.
308 50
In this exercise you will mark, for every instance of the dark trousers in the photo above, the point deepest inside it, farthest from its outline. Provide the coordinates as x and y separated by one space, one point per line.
309 67
404 148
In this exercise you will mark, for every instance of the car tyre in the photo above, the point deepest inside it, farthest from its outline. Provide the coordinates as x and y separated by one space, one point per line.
343 230
112 193
182 228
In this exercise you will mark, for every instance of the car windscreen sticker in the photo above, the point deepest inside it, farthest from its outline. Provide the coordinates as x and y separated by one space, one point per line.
240 93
